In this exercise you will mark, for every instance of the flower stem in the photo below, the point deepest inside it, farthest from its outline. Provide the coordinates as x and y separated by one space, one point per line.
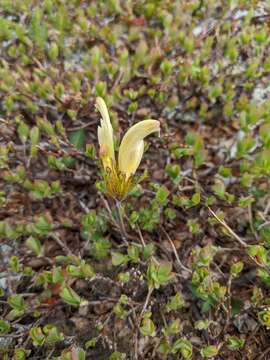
120 211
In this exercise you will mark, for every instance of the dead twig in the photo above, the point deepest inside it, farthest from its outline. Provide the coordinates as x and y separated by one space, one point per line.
223 223
83 126
64 247
182 266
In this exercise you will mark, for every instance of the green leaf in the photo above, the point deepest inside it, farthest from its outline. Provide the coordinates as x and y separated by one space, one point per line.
235 343
119 259
148 251
158 274
81 355
73 354
172 328
173 171
176 302
21 354
42 226
57 275
148 327
23 131
164 347
91 343
90 151
37 30
209 351
34 135
82 271
164 273
14 314
133 253
162 196
264 317
34 245
16 302
116 355
100 248
119 311
196 198
37 336
70 296
183 346
53 335
202 324
236 268
14 264
53 52
4 327
77 138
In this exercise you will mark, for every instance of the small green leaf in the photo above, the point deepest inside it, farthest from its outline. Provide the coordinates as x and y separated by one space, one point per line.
23 131
16 302
172 328
148 251
148 327
34 135
202 324
133 253
119 259
164 347
90 151
53 335
4 327
14 264
81 355
57 275
209 351
37 336
184 347
53 52
34 245
116 355
21 354
235 343
176 302
91 343
70 297
236 268
162 195
264 317
158 274
78 138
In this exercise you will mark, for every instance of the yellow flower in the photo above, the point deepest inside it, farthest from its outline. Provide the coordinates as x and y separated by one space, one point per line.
119 176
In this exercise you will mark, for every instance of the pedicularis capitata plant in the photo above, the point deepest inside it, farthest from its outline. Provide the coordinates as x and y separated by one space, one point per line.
119 174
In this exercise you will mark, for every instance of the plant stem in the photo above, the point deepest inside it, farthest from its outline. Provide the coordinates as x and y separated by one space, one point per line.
222 222
121 221
150 290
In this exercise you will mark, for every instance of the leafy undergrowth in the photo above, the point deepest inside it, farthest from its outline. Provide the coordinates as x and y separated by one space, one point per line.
185 275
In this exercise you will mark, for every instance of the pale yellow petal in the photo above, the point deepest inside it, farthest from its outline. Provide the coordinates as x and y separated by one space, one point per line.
132 146
102 108
105 133
130 162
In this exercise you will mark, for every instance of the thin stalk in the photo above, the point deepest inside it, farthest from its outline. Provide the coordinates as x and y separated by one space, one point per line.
242 242
120 211
150 290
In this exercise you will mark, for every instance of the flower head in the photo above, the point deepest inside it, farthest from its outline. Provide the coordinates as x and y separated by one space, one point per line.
119 176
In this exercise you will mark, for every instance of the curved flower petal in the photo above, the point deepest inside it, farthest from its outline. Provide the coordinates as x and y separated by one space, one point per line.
105 134
132 145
